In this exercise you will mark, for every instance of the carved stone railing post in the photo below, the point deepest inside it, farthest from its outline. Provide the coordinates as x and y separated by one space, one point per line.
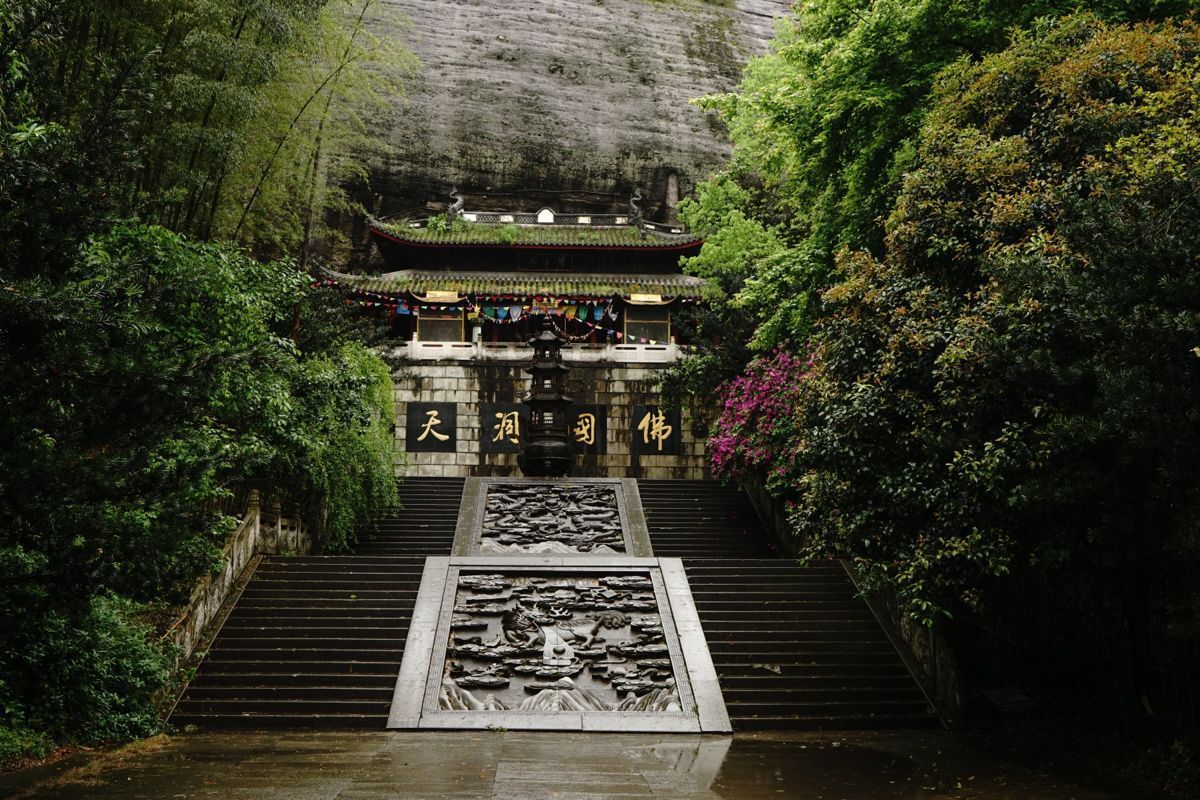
254 515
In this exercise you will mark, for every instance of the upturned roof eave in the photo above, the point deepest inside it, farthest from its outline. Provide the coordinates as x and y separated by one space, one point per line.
686 243
522 284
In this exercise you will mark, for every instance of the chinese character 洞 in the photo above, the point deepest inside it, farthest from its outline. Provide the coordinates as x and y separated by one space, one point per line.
585 429
430 428
508 426
654 426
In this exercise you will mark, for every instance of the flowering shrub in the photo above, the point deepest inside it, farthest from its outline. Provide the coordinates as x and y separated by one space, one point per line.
756 432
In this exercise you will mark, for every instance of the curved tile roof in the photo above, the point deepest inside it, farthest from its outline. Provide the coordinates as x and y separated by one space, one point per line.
475 234
555 284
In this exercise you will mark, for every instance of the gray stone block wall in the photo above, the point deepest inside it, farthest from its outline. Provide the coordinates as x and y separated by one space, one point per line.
471 384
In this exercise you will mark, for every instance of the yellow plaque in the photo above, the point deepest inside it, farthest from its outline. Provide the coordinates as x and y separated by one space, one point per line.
645 298
442 297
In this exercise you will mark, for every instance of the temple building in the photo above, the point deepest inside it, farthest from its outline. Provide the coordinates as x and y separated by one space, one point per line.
463 291
482 276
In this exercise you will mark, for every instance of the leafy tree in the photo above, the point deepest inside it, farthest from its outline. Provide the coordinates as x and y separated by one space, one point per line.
133 392
210 117
1011 387
823 130
143 373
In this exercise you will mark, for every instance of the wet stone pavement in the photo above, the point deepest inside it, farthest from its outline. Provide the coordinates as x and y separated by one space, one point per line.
526 765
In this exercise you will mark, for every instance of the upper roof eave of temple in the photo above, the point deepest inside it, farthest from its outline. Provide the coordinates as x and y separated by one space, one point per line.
565 285
544 229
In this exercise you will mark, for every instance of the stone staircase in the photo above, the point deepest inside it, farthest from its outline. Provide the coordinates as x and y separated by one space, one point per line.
316 642
794 647
702 519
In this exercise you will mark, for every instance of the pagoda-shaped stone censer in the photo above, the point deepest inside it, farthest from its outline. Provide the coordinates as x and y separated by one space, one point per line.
547 450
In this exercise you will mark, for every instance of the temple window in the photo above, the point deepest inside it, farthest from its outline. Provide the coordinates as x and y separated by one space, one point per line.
440 326
647 322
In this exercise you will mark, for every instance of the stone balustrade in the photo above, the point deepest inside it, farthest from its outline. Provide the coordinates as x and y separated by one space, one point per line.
418 351
257 533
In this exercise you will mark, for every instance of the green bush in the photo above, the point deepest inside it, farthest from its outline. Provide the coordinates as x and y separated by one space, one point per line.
157 372
143 373
348 395
88 680
21 743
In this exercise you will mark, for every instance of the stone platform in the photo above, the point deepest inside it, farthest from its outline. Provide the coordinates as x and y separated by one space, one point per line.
554 615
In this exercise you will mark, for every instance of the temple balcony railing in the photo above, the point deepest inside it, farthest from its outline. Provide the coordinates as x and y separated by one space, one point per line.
417 351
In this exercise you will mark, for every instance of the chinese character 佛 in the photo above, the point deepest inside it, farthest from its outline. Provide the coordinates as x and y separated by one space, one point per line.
508 426
585 429
654 426
431 426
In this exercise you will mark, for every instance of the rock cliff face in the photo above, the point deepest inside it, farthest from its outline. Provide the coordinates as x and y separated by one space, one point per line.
568 103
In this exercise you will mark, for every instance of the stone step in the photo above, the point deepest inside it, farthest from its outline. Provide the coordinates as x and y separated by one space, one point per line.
342 562
318 583
404 550
792 694
299 719
318 594
341 623
772 586
815 722
379 680
797 632
218 663
750 601
796 608
732 568
841 679
755 662
235 706
384 650
407 575
796 645
782 704
342 691
266 634
293 606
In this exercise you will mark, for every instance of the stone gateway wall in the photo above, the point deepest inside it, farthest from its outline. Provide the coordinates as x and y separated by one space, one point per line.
476 407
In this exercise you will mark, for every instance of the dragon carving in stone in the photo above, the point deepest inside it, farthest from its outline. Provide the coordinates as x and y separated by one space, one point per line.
455 208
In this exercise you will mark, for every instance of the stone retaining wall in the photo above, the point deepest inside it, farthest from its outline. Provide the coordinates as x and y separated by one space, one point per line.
258 533
469 385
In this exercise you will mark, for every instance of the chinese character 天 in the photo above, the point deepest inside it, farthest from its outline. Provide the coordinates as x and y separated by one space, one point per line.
430 428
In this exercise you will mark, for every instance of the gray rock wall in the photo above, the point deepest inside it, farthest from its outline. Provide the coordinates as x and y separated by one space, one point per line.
561 102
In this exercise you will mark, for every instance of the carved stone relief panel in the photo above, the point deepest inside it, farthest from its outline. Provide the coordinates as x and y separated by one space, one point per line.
548 518
554 642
